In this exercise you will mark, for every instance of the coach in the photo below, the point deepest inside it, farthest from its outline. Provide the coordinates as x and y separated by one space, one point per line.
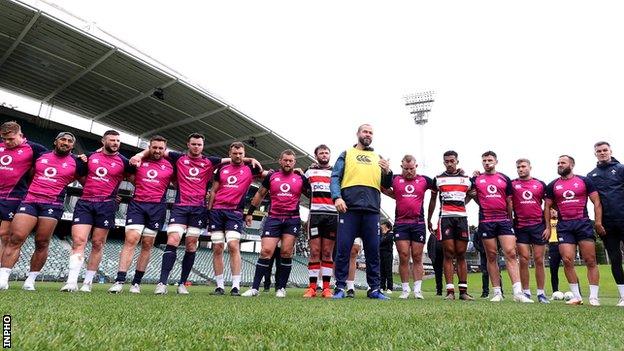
356 181
608 178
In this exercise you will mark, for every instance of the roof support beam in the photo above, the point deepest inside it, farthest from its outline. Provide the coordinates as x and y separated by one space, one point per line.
242 138
133 100
19 38
79 75
187 120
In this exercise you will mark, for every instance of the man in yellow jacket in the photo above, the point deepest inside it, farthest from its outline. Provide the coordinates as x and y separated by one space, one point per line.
356 181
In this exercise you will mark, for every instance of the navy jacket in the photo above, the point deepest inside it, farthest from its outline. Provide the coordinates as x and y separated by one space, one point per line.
609 181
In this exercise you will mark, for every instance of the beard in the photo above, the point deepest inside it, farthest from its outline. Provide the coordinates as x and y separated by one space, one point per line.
322 162
365 141
62 152
109 149
564 172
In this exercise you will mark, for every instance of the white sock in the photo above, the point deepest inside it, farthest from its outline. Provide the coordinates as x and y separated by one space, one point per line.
540 292
575 290
350 284
405 287
89 275
527 291
621 290
32 276
4 275
497 290
517 288
593 291
220 283
449 286
75 263
417 285
236 281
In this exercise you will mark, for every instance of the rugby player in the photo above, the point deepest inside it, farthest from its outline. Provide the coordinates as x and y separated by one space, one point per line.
569 194
494 195
453 188
283 222
322 223
226 204
42 207
17 157
527 198
146 213
408 189
96 209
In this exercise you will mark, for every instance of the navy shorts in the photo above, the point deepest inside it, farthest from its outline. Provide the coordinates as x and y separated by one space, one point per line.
531 235
190 216
410 231
276 227
8 209
150 214
323 225
455 228
226 220
573 231
491 230
37 209
97 214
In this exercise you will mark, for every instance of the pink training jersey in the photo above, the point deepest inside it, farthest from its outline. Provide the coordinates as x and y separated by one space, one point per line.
409 195
52 174
152 179
234 181
285 190
528 196
15 165
105 173
193 175
570 196
492 192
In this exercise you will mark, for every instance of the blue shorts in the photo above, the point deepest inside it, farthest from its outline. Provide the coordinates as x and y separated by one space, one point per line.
8 209
150 214
226 220
276 227
491 230
575 230
410 231
97 214
531 235
37 209
190 216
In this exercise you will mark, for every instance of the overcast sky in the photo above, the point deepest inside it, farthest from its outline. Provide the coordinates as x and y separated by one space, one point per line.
530 79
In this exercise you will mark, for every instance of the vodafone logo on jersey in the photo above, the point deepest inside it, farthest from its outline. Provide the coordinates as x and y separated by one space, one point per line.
101 172
285 187
527 195
193 171
409 189
568 194
492 189
152 173
231 180
6 160
49 172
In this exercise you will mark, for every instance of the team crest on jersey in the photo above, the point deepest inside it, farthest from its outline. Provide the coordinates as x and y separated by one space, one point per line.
518 186
44 161
20 151
401 181
277 179
113 164
534 186
50 211
187 162
575 185
95 161
162 167
559 187
202 164
482 181
225 171
64 165
2 149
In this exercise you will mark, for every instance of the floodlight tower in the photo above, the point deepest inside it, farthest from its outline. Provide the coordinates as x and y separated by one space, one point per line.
419 105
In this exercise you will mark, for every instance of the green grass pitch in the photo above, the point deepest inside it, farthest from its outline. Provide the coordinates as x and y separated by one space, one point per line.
50 320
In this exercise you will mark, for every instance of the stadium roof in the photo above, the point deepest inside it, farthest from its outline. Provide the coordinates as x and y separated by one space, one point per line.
57 63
